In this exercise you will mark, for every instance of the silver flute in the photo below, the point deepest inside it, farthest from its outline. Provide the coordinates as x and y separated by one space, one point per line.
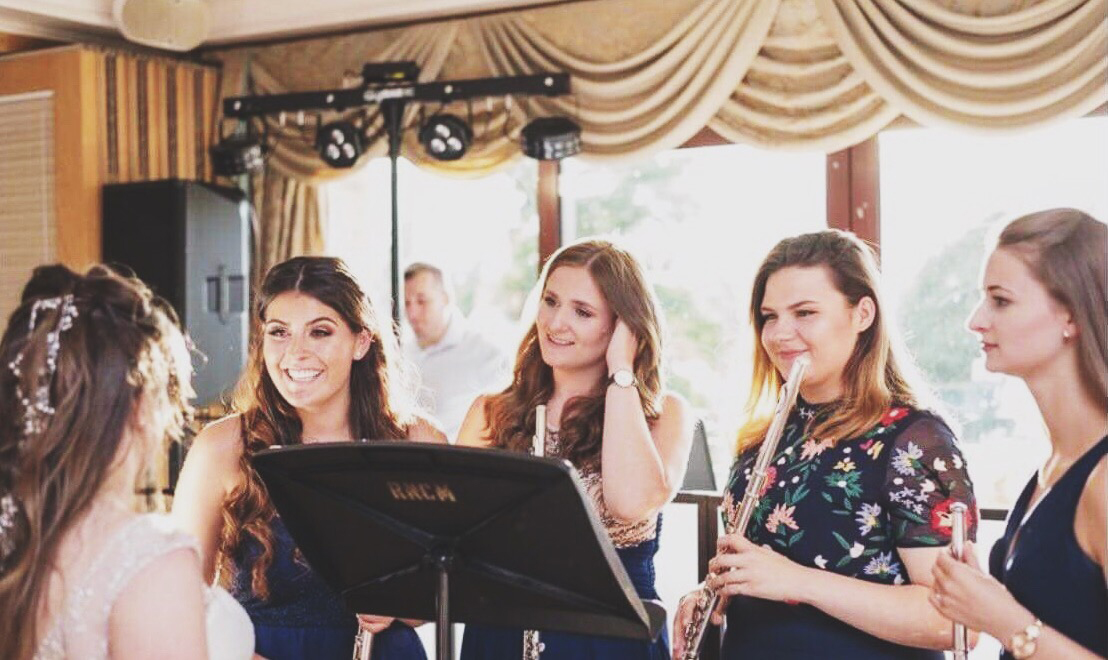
532 647
707 598
958 549
363 645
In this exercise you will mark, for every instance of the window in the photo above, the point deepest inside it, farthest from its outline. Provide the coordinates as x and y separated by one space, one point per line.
701 221
484 232
27 188
941 194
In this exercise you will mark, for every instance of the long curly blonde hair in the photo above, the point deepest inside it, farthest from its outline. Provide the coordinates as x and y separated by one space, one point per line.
876 374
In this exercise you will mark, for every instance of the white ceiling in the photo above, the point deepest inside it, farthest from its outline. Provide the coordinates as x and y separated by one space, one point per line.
236 20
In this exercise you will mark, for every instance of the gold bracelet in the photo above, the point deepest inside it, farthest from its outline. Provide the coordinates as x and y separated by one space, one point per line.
1025 642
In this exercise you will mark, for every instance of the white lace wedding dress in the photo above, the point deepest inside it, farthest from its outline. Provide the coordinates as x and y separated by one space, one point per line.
81 629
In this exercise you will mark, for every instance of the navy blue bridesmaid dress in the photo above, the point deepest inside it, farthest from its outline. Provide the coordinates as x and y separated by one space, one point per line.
1040 562
303 618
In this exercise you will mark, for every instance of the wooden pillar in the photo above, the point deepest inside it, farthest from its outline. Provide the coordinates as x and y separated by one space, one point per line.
853 191
550 209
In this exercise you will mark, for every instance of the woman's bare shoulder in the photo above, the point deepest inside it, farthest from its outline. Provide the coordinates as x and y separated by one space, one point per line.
221 441
474 430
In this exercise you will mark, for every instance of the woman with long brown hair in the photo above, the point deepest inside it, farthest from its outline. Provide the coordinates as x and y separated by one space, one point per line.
838 555
1043 318
593 358
94 377
322 369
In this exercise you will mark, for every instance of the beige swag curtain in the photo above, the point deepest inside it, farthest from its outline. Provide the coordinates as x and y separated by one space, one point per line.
648 74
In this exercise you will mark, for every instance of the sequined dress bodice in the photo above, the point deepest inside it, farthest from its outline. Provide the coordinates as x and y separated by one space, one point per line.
623 534
81 629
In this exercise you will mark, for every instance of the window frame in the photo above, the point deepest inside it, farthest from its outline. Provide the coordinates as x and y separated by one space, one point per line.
853 202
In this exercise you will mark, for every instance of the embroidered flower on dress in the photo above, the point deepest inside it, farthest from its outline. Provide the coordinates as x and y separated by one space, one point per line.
850 482
846 465
906 461
893 415
811 448
882 564
902 496
781 515
939 464
941 520
868 517
873 448
771 476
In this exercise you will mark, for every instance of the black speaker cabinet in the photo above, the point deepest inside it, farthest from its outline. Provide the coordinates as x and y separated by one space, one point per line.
190 242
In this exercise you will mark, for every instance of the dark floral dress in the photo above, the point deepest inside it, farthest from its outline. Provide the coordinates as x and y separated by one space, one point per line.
846 508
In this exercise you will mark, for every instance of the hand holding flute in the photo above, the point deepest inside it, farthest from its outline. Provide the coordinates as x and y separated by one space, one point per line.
958 550
368 626
708 598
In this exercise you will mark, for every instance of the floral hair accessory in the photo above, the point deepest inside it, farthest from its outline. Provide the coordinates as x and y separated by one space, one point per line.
8 510
36 406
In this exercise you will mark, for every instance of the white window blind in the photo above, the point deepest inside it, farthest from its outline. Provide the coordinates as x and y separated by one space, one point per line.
27 226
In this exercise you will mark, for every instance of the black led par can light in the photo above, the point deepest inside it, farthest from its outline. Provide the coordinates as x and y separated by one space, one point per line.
551 138
237 155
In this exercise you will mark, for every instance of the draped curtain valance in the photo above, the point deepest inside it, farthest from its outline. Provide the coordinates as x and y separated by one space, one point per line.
649 74
802 74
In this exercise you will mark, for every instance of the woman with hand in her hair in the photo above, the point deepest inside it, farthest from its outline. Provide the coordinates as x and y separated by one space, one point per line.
322 369
1043 318
593 358
94 377
837 557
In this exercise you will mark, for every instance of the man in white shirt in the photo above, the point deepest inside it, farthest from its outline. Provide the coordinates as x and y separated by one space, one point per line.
455 363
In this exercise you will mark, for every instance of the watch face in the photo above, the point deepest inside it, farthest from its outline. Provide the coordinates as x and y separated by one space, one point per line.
623 378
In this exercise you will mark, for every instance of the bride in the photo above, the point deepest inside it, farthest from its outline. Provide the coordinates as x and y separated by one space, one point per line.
94 375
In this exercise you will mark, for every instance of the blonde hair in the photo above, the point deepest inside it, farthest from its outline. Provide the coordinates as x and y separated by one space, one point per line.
874 377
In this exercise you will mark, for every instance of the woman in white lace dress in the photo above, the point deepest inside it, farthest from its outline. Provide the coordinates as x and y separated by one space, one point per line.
94 376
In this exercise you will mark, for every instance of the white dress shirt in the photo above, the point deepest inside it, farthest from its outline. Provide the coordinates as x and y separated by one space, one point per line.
454 371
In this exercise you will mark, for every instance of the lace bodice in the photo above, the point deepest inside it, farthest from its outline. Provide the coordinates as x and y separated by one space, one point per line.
80 629
623 534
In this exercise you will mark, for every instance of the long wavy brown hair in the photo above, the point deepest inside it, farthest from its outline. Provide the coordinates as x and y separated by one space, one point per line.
122 363
380 404
511 413
1066 250
875 375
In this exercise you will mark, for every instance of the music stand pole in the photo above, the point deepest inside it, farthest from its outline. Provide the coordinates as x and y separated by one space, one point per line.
444 630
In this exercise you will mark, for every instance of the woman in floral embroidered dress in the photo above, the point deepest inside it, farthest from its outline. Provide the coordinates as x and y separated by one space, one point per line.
838 555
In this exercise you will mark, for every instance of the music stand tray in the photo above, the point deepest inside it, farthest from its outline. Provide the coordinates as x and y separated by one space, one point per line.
452 534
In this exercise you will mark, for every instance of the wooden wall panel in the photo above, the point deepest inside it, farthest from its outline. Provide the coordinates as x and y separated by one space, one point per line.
71 74
113 123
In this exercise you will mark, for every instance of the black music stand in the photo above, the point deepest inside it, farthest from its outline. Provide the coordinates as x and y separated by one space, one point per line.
451 534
